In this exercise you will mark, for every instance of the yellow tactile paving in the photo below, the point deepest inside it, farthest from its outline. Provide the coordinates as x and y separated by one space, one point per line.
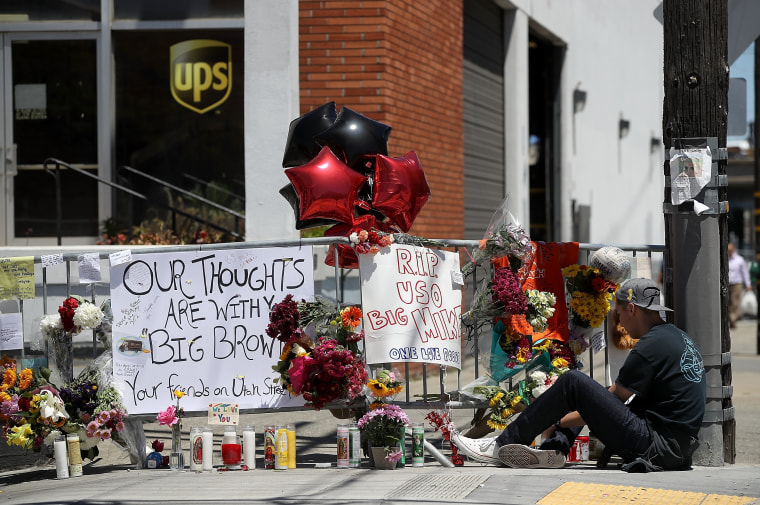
579 493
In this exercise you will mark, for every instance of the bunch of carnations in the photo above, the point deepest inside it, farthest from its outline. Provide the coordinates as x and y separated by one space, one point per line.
370 242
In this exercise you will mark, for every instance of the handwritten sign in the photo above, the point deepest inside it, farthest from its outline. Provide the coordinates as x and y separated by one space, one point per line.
17 278
51 260
196 321
11 335
412 307
223 413
120 257
89 268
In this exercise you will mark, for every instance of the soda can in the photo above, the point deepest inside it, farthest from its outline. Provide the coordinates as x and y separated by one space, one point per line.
418 444
354 446
281 459
342 446
579 450
270 443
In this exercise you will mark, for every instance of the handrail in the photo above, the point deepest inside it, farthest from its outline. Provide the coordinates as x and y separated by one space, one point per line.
182 191
59 202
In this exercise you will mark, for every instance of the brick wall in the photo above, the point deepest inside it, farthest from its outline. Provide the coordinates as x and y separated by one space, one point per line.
398 62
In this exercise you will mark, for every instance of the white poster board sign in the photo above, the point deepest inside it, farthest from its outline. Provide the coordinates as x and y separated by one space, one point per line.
412 306
196 321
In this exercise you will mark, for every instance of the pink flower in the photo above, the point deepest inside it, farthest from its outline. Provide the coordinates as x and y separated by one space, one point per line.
168 417
298 373
92 426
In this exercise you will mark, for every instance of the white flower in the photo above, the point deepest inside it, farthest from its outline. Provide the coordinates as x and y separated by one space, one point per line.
54 434
539 390
354 238
86 442
538 376
51 407
88 316
51 326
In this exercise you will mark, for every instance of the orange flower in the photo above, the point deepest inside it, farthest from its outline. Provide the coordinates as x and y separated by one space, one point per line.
9 378
25 378
351 317
4 397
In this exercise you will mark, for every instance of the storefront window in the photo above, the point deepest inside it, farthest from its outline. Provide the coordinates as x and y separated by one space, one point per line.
165 10
179 117
49 10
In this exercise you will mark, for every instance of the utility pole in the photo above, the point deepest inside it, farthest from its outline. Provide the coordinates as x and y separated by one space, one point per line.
695 110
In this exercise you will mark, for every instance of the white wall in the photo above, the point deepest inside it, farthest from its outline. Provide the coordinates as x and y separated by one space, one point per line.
271 102
614 54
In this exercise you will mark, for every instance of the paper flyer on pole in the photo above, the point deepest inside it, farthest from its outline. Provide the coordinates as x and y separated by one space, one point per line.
412 306
196 321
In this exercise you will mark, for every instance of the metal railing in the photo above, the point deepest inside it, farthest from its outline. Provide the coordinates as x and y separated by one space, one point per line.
56 173
417 392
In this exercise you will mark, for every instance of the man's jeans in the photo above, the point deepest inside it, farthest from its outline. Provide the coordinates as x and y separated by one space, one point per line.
606 416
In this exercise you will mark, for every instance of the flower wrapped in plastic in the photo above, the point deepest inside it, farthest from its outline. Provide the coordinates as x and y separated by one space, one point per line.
590 295
384 386
329 369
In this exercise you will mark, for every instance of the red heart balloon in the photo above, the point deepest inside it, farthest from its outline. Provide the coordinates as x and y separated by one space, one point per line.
326 187
401 189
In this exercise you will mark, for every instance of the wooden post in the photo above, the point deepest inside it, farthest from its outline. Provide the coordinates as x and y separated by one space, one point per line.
696 106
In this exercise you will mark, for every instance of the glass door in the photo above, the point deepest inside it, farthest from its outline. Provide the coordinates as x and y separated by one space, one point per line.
50 110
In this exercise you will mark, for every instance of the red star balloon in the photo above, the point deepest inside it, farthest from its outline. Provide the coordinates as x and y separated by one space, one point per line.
289 193
401 189
326 187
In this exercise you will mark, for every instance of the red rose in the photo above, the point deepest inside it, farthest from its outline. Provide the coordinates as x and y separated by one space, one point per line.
67 313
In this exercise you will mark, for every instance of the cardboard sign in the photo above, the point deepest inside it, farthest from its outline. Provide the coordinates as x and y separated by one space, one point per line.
223 413
196 321
412 306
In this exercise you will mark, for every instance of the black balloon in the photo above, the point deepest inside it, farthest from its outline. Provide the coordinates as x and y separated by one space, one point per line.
301 146
289 192
355 137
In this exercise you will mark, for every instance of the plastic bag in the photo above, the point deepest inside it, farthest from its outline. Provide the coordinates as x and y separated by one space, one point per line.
749 304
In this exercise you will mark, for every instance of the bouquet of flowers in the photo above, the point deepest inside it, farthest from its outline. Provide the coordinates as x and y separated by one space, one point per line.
370 242
326 370
95 410
507 241
386 385
516 341
503 404
539 381
74 315
383 425
30 409
172 417
442 422
540 308
590 295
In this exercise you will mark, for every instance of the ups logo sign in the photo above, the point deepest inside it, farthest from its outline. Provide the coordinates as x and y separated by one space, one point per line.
201 73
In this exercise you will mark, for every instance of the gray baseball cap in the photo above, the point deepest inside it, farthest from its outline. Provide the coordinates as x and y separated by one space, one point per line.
644 293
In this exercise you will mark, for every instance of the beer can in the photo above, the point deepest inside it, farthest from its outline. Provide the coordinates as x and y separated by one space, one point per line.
281 459
270 438
354 446
342 446
418 444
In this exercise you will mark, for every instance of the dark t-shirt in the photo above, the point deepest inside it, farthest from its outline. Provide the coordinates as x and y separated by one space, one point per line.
666 372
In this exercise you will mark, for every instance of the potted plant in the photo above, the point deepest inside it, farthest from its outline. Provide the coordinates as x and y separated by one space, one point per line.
383 428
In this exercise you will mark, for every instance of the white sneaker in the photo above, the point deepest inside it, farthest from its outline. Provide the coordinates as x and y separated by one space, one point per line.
522 456
483 450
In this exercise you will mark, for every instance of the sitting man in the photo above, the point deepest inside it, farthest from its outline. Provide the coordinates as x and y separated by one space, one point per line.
650 416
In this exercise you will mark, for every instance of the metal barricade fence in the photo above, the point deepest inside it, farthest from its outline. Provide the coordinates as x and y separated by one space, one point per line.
417 393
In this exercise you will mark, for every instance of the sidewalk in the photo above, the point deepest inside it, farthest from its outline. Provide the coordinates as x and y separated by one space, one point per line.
111 480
